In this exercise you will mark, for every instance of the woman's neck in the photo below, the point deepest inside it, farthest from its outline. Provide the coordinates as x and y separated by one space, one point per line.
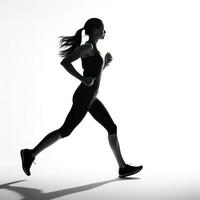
93 40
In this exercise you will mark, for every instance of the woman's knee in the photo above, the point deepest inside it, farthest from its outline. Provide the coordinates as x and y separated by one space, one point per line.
64 132
112 130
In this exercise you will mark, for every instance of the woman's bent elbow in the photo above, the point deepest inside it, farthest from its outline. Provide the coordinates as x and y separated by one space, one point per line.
64 62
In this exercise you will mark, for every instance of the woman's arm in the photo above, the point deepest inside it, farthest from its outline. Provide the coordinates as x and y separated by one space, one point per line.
70 68
67 63
77 53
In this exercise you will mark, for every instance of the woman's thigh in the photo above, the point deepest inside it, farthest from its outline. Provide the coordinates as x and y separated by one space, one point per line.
101 115
81 103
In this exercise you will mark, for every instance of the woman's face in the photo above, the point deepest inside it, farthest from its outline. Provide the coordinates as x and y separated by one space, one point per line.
100 32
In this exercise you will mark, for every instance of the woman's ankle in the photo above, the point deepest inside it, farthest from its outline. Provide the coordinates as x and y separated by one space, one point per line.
33 154
123 165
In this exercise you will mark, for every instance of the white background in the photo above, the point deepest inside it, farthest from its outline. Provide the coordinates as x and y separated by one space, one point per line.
151 90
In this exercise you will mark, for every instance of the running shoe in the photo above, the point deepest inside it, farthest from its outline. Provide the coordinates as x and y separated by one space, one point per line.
27 159
129 170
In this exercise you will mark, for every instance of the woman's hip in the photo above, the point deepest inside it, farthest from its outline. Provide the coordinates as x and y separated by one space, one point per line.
84 93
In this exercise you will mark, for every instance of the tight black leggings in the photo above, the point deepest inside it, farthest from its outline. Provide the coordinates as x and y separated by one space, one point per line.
84 99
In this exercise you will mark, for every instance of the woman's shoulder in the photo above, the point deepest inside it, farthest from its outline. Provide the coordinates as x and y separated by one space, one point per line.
90 49
89 44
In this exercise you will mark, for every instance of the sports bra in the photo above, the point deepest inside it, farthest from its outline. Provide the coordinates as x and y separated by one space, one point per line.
92 66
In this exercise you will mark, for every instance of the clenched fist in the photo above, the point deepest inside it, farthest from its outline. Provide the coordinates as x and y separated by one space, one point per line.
108 59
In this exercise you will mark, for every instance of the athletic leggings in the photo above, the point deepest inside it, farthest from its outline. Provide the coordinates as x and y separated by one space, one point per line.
84 99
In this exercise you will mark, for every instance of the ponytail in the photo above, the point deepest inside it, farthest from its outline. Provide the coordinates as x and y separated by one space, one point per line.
72 41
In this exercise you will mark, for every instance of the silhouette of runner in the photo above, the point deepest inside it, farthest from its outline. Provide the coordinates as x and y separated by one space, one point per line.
85 97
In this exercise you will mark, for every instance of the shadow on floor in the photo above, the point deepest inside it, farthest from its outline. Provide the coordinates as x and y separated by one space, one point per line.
33 194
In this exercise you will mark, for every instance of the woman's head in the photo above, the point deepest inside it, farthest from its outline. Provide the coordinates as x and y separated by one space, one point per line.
93 28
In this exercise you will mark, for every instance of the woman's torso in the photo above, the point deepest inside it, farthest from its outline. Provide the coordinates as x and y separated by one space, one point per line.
92 66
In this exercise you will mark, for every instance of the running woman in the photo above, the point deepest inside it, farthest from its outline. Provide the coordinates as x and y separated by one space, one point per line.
85 97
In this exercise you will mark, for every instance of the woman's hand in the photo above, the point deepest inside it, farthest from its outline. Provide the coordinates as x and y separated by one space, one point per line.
108 59
88 81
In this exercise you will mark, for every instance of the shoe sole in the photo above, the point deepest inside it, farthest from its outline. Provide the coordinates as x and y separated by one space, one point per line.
22 157
131 173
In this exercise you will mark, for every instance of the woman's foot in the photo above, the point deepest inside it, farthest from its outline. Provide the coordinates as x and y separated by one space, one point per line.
27 159
129 170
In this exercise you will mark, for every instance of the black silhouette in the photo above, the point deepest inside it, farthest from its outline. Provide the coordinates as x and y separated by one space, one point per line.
85 97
